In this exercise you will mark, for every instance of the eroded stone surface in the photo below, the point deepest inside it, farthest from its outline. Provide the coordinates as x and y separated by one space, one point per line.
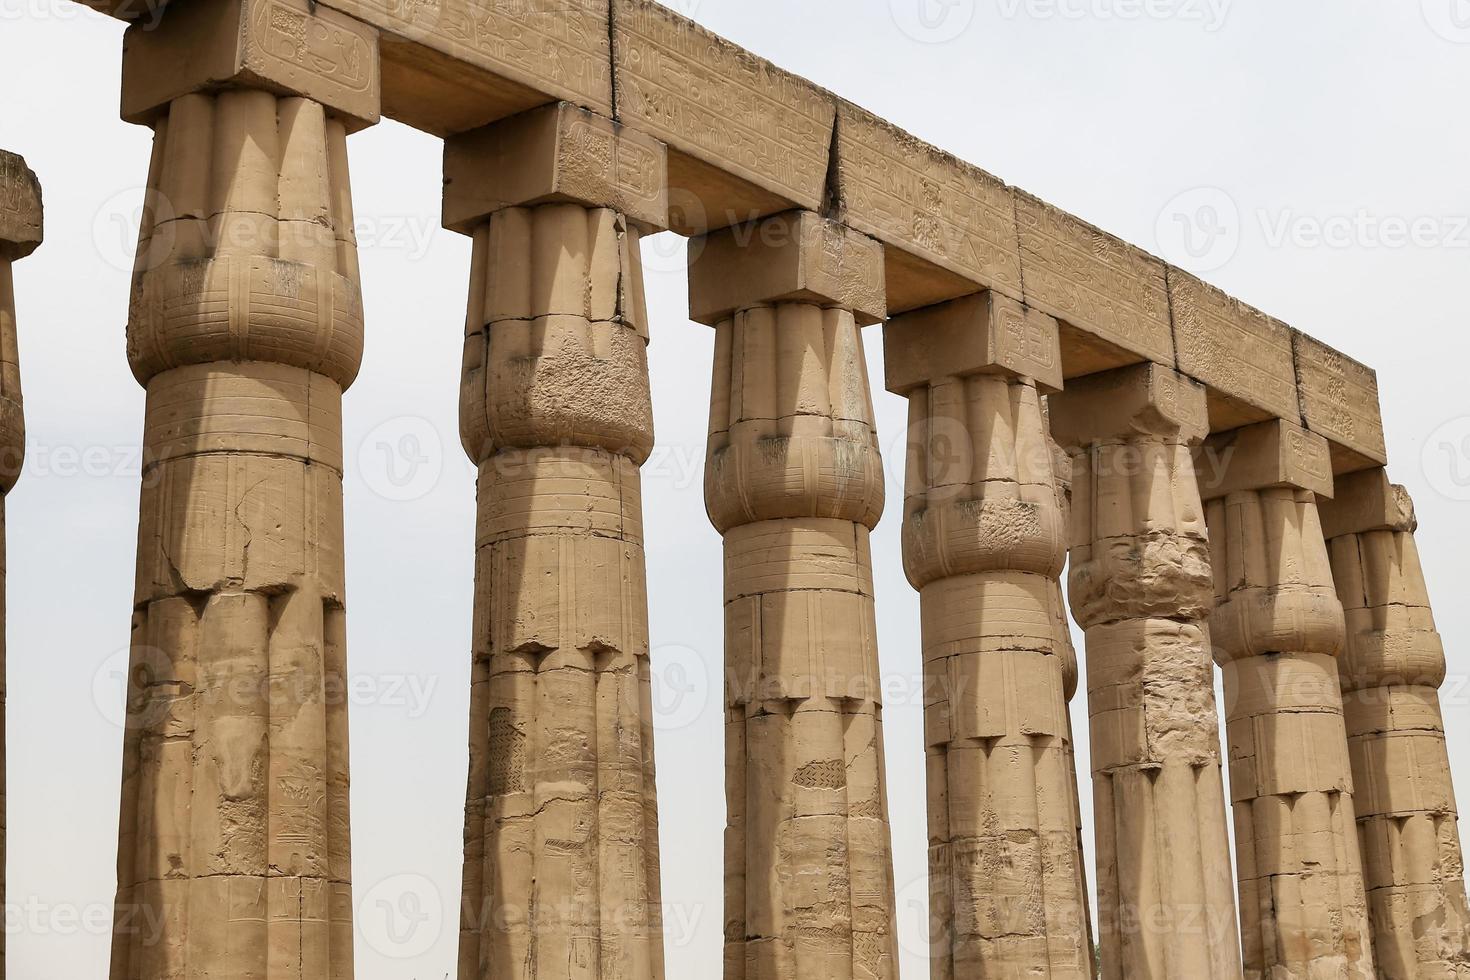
245 326
1141 588
795 483
1391 671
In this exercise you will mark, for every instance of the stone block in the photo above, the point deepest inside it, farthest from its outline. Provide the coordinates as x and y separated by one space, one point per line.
1365 501
795 257
1268 454
21 212
559 153
985 332
1118 405
282 46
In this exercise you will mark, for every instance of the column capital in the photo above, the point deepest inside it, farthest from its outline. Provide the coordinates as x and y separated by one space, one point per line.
795 256
555 154
1366 501
284 46
1275 453
21 214
983 333
1139 400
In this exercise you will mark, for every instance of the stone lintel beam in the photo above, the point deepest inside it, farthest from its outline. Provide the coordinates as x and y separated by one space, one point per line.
950 227
983 333
1339 400
1114 406
798 257
1263 456
556 154
1241 354
289 47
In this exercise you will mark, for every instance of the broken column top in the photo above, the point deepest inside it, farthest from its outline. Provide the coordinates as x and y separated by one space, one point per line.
1275 453
1145 399
291 47
984 333
21 212
797 256
1366 501
555 153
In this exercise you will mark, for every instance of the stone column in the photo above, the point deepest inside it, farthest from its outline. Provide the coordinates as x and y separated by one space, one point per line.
20 235
794 482
561 872
1277 631
245 326
984 542
1391 671
1140 586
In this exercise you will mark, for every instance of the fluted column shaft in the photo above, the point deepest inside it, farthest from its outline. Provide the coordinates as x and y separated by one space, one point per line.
1277 632
561 869
984 542
794 482
245 327
1391 670
1141 588
20 235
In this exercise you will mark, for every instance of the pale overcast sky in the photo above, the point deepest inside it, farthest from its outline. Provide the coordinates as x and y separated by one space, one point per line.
1317 151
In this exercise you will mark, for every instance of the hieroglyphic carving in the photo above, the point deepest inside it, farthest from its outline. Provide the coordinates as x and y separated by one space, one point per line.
1096 282
1234 348
282 35
721 104
559 47
1339 398
918 198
